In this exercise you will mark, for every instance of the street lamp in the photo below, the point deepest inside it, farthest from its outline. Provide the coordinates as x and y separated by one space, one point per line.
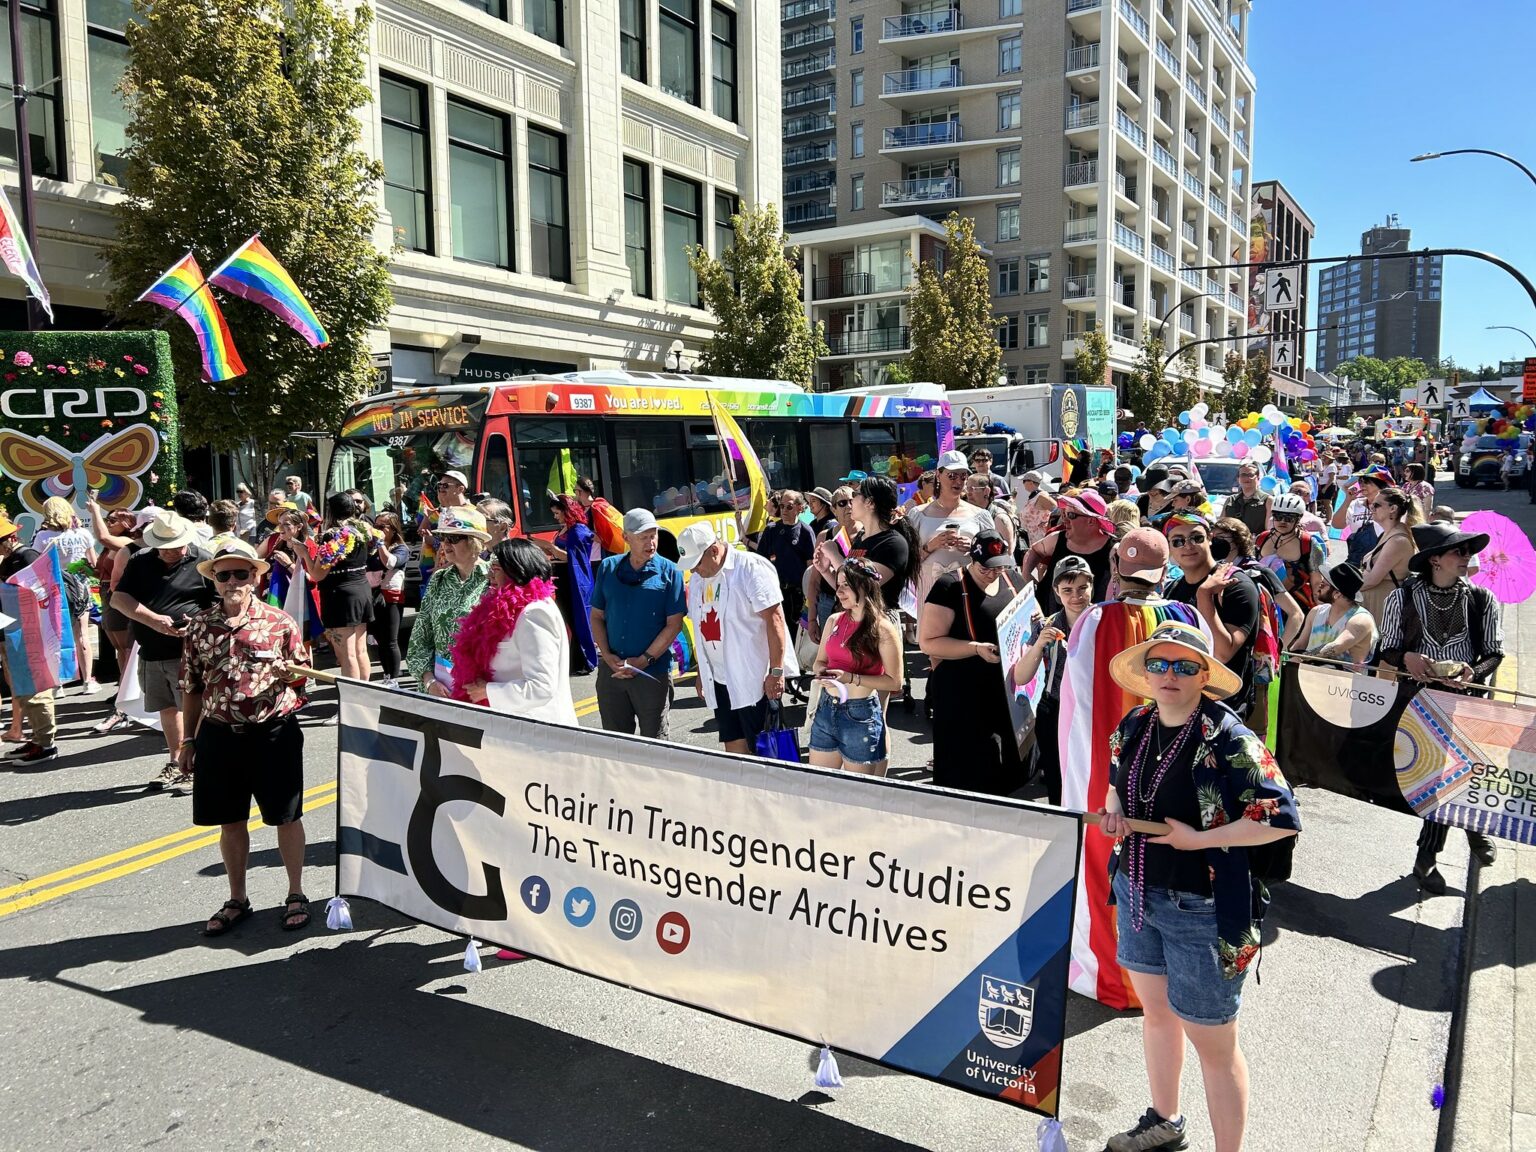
1166 316
1511 328
1531 176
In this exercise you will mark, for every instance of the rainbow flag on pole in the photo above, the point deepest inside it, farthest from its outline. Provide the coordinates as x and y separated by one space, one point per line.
253 273
17 253
742 468
40 645
184 291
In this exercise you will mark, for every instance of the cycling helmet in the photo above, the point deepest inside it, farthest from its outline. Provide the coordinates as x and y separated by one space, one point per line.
1288 504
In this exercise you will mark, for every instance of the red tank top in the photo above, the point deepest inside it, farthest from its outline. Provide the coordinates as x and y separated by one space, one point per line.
840 658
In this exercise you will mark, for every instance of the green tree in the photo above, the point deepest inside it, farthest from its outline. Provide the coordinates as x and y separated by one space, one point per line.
898 372
243 117
754 291
1323 418
953 331
1236 395
1146 385
1260 391
1091 364
1387 378
1183 388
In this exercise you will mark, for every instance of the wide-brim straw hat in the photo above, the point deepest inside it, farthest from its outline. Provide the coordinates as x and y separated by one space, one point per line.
233 548
169 530
1128 668
276 514
467 521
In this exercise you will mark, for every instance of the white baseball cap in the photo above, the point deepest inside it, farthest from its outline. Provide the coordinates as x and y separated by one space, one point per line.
953 461
693 542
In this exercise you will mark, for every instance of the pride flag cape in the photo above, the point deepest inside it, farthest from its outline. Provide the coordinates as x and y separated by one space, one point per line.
183 290
17 254
253 273
742 469
40 645
1092 706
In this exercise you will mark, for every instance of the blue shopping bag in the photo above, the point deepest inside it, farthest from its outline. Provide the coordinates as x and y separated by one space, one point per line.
776 742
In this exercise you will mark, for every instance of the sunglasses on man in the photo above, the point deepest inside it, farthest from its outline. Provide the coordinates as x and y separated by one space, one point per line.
845 503
1180 541
225 575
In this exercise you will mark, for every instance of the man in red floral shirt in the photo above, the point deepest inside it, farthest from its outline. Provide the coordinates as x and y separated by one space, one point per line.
243 737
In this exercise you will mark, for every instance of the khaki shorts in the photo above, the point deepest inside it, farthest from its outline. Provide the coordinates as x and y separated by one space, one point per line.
160 681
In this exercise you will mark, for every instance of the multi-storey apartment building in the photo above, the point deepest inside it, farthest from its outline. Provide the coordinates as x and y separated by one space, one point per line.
547 165
1101 145
810 109
1380 308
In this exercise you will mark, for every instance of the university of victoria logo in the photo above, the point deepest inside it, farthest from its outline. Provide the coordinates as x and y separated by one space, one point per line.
1006 1011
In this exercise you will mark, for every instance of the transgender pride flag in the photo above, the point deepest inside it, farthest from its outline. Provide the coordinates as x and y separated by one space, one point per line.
40 645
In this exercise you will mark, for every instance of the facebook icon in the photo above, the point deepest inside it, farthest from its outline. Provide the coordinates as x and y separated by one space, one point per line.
535 890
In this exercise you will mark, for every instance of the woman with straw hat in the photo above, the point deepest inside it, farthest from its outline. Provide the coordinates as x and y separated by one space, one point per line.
1186 899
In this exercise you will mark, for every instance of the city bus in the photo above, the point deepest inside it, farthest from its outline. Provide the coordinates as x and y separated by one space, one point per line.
645 438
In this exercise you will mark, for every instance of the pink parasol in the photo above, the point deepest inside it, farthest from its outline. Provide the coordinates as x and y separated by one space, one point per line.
1507 567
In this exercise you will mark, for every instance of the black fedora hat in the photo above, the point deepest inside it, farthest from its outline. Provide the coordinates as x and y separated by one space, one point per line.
1345 577
1437 537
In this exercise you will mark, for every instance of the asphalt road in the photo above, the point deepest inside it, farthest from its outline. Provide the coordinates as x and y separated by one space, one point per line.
123 1027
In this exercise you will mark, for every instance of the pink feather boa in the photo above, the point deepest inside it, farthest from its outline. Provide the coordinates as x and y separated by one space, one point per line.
489 623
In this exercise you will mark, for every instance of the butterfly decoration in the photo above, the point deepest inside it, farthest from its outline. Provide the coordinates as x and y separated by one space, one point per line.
111 465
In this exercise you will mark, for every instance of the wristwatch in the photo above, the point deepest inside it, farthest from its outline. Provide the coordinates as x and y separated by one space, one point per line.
775 671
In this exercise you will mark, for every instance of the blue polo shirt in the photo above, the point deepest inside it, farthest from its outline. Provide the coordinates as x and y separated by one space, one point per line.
636 603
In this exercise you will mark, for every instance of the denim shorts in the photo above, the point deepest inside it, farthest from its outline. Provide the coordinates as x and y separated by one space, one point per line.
1178 940
854 730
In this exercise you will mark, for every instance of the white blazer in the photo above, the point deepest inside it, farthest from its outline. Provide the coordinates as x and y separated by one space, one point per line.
532 669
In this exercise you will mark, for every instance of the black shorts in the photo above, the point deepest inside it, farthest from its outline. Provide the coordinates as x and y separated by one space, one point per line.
346 606
739 723
261 761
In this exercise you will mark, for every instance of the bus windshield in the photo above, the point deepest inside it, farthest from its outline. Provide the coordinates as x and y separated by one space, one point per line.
396 458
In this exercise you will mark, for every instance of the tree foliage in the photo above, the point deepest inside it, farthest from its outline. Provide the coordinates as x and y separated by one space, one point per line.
754 291
1091 364
1146 386
953 332
243 117
1183 391
1260 390
1387 378
1236 391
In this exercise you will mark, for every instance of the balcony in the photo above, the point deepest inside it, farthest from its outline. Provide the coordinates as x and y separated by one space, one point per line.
1196 90
1195 49
1162 258
807 37
1165 159
811 213
1214 287
1123 72
1240 141
1235 302
1192 142
1187 322
873 340
804 10
810 66
922 24
1135 19
1194 186
807 125
1187 230
810 154
1219 118
922 80
809 182
1081 231
923 190
1192 278
1083 172
1083 57
1076 6
812 94
1169 60
923 135
847 284
1080 287
1083 115
1131 130
1217 205
1129 239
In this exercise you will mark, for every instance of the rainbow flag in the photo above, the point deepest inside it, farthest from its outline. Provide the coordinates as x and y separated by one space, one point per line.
742 469
184 291
40 645
17 254
253 273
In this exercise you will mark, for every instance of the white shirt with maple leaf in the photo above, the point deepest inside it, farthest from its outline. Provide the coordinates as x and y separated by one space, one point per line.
732 636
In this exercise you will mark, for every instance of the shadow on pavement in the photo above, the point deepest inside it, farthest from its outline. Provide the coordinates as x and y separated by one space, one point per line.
317 854
356 1013
25 811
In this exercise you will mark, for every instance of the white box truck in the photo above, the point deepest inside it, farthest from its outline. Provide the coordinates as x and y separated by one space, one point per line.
1025 425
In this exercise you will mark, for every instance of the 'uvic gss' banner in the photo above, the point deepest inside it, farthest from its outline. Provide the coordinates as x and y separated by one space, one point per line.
924 929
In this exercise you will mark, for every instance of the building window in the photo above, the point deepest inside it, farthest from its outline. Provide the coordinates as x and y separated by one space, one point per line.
856 26
680 49
545 19
1010 9
1007 167
1008 222
548 206
1007 277
632 38
108 60
726 207
680 233
857 84
496 8
723 58
1010 54
1008 332
856 194
1037 329
637 227
858 138
478 151
1010 115
407 194
1036 374
1037 274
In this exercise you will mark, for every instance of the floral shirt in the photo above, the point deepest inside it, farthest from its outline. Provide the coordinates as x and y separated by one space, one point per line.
233 664
1236 778
447 600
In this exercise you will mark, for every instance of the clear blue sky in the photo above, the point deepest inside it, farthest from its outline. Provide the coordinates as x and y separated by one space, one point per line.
1348 90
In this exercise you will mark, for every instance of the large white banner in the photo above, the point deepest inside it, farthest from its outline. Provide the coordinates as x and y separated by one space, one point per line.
921 928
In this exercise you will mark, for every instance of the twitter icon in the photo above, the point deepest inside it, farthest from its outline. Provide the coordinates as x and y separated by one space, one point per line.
580 907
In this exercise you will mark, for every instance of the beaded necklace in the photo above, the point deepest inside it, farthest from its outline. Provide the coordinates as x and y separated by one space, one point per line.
1139 800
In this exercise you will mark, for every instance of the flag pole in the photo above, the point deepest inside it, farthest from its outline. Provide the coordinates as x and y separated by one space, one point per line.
23 146
730 473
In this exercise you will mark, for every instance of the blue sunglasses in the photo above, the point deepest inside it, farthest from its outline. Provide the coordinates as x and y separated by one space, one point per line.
1156 666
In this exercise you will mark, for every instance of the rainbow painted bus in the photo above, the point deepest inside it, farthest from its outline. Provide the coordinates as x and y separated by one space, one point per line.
645 438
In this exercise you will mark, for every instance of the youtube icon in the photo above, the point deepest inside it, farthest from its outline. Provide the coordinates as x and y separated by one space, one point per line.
673 933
